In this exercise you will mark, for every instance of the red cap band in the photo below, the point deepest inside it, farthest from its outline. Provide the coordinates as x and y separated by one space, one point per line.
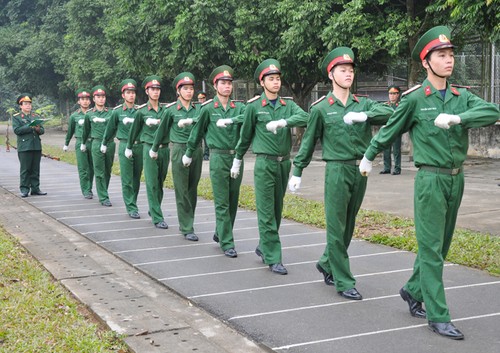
185 81
99 92
433 44
339 60
83 94
222 74
128 86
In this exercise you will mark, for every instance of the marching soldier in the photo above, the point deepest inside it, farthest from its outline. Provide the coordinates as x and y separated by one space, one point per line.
178 119
94 126
438 116
75 127
119 125
143 130
28 128
343 122
264 115
394 93
220 122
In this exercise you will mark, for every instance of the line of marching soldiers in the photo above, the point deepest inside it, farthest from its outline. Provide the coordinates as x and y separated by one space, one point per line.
437 115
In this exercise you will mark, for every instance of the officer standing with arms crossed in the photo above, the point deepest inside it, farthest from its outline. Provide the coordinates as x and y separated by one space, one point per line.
438 116
94 126
264 115
220 123
119 125
29 146
143 131
183 114
343 122
83 160
394 92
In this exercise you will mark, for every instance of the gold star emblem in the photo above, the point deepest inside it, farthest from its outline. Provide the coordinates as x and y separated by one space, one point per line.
443 38
347 57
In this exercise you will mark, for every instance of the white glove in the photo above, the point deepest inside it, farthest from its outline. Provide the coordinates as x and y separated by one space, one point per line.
153 154
235 169
273 126
65 148
98 120
224 122
353 117
444 121
104 149
150 121
128 153
294 183
365 167
127 121
186 161
83 147
81 121
184 122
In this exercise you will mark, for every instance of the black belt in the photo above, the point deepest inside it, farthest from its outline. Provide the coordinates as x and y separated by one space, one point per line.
215 150
274 158
437 170
178 144
349 162
125 141
163 146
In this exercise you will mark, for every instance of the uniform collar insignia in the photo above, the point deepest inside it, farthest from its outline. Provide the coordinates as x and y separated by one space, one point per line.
331 100
427 91
455 91
355 98
282 101
216 104
232 105
179 107
264 102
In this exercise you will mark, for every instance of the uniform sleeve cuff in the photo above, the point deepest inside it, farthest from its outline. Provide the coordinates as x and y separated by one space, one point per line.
297 172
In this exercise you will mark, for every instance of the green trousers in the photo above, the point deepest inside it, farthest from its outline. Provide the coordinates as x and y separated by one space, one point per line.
186 185
85 167
29 175
226 192
130 173
436 202
155 172
344 191
103 163
270 179
396 151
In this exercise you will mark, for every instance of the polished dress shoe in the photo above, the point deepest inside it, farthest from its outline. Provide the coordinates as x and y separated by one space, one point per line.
352 294
24 194
415 306
446 329
259 254
134 215
230 253
328 277
161 225
396 172
278 268
88 196
385 172
216 238
38 193
191 237
106 203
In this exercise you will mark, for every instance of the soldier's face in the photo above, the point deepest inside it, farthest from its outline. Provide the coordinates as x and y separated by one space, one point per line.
271 83
153 93
129 96
343 75
442 62
84 102
186 92
100 100
393 97
224 88
26 107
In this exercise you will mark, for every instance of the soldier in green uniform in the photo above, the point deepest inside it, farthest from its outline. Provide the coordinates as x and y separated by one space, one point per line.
202 98
264 115
119 125
28 128
143 130
178 121
94 126
220 123
343 123
75 127
438 116
394 93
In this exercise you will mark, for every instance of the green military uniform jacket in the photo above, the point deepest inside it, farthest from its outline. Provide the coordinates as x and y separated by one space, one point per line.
432 145
93 129
258 112
216 137
116 125
340 141
27 138
178 112
139 130
75 126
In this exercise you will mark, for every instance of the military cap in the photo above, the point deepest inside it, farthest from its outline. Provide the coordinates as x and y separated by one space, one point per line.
129 84
393 88
82 93
202 95
340 55
435 38
152 81
25 97
222 72
267 67
184 78
98 90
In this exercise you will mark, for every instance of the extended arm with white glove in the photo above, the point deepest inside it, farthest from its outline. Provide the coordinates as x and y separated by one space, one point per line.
104 149
235 169
224 122
274 125
184 122
81 121
65 148
83 147
365 167
128 153
294 183
444 121
98 120
186 161
127 121
151 121
355 117
153 154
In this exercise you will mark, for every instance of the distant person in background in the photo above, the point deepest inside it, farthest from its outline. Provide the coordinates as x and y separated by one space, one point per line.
394 96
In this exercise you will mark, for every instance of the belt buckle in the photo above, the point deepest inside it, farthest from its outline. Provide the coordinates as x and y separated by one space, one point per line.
455 171
232 151
358 162
161 146
279 158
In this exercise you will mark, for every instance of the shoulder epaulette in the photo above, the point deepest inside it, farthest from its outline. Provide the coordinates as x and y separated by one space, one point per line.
414 88
136 106
459 86
253 99
361 95
317 101
288 98
168 105
142 106
118 106
16 114
207 102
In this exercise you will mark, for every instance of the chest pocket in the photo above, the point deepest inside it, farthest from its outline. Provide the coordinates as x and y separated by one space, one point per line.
335 126
264 118
427 121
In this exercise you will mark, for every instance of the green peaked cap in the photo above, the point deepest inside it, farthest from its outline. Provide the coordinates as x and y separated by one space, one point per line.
98 90
82 93
24 97
267 67
340 55
129 84
222 72
152 81
184 78
435 38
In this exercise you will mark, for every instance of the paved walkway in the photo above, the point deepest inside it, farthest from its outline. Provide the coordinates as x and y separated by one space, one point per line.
293 313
